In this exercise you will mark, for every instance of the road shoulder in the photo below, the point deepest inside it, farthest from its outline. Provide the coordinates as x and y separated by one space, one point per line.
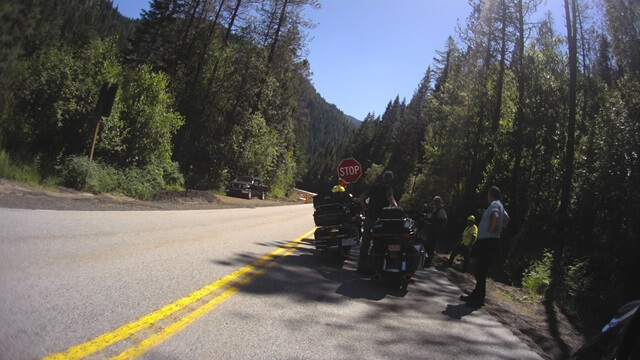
547 331
18 195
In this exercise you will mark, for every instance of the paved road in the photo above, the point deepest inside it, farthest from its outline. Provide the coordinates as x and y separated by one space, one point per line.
216 284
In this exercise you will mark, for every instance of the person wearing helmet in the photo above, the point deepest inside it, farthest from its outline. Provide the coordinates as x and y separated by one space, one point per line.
338 189
469 236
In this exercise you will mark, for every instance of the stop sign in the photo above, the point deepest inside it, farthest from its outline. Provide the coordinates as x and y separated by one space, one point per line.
349 170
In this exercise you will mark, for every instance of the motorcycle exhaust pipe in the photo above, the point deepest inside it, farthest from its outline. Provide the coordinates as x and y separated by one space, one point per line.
377 276
406 277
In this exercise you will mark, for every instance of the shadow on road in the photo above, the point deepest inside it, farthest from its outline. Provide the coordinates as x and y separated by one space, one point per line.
326 282
458 311
333 268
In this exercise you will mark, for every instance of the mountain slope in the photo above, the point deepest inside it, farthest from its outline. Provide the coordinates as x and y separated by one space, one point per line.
319 122
355 122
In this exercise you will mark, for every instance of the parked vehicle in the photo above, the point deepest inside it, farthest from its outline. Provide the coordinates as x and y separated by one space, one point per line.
619 339
339 222
396 249
247 186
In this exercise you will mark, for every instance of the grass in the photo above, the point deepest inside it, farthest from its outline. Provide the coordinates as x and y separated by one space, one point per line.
514 298
537 277
27 173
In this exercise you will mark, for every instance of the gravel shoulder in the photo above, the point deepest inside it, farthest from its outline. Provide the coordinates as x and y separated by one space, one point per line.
547 331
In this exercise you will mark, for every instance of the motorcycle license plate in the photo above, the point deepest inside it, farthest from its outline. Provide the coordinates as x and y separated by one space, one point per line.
394 247
348 242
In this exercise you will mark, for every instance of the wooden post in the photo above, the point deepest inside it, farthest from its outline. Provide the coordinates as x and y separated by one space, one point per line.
93 146
103 108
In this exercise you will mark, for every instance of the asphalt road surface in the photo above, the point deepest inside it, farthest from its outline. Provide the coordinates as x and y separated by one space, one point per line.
217 284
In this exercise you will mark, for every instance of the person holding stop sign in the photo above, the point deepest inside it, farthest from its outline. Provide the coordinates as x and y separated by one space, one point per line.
380 195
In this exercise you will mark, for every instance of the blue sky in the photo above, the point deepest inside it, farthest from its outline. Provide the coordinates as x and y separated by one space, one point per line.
364 53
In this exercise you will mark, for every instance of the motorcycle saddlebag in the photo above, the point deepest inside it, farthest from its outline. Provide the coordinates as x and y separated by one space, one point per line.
392 213
331 198
331 214
393 222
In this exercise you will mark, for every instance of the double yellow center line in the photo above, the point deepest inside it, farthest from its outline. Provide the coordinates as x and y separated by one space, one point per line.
153 329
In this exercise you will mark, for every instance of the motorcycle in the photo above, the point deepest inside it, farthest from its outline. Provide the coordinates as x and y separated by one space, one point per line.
339 222
397 250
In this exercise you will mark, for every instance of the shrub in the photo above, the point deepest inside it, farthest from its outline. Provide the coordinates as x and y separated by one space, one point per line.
537 277
577 281
139 183
99 178
19 172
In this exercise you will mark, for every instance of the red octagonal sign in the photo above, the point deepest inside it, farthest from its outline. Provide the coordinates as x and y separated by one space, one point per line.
349 170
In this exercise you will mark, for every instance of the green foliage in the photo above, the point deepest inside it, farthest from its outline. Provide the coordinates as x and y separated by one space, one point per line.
54 113
414 197
325 123
579 282
372 175
140 128
255 145
537 277
282 180
75 173
19 172
136 182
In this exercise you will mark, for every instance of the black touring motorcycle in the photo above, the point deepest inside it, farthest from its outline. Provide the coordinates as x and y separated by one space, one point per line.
339 222
397 248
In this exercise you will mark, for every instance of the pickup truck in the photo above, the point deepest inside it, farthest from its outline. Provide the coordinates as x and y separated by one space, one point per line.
248 187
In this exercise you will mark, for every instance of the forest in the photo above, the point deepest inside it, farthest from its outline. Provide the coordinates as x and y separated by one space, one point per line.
553 119
212 89
207 91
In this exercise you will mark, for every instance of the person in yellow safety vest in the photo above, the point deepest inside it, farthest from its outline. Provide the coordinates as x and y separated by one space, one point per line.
469 236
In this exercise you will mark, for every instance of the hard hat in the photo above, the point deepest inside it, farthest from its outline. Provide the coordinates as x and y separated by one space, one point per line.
471 218
338 188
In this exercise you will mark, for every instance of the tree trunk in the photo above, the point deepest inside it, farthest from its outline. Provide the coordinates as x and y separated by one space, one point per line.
272 51
519 119
503 53
567 177
205 51
276 37
233 19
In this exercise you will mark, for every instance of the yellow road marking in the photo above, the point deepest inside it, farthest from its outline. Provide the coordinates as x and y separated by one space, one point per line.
103 341
158 338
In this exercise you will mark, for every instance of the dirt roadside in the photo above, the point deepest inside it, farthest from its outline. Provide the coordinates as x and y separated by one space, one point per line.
546 331
22 196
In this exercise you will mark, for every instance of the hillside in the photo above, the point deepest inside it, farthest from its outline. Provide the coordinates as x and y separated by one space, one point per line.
326 124
355 122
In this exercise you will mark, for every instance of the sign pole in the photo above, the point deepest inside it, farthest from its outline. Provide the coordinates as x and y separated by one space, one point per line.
93 146
103 108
